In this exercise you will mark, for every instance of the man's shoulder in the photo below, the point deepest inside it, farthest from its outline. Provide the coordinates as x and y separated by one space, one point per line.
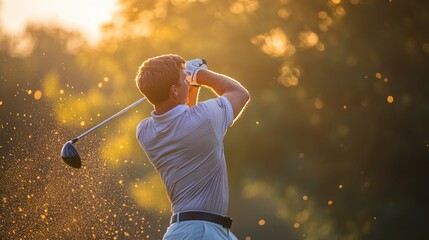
143 124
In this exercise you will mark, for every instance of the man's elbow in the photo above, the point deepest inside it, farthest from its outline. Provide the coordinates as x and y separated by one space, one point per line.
244 95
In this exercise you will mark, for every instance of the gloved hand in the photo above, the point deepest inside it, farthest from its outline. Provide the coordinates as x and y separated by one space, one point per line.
192 67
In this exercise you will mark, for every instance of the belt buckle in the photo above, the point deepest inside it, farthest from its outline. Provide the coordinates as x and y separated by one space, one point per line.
227 222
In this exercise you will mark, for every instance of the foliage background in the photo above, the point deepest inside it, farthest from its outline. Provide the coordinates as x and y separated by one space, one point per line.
334 144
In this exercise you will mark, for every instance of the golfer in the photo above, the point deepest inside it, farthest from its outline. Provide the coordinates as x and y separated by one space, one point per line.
183 139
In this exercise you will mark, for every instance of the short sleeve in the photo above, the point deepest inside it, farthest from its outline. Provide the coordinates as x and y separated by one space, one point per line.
220 113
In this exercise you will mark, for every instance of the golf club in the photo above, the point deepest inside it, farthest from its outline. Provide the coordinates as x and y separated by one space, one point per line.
70 154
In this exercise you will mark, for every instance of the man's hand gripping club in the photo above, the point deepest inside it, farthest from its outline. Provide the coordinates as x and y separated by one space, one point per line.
192 68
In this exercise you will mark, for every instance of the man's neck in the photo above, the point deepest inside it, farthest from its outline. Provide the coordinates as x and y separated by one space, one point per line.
165 107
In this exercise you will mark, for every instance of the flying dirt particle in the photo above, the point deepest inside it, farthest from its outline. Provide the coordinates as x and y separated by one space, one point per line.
4 200
126 234
1 103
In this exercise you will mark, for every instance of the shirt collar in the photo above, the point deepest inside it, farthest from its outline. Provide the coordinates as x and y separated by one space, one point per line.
171 114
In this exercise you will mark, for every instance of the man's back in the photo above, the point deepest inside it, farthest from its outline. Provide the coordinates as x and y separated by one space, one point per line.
185 146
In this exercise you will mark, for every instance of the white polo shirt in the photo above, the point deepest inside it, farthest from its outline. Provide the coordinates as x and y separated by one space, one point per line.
185 145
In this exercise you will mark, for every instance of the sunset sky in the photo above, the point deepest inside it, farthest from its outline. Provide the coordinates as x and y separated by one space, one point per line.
85 15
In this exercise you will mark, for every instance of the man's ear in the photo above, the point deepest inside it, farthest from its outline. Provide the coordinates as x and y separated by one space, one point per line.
173 91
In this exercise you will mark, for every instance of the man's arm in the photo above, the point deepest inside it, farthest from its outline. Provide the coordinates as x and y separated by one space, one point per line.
193 95
223 85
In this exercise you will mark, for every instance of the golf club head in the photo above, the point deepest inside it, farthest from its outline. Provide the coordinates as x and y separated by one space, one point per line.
70 155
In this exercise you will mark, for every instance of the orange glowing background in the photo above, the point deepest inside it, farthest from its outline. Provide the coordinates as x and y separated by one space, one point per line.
333 145
85 15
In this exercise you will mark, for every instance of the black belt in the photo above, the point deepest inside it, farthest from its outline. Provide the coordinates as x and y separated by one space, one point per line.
210 217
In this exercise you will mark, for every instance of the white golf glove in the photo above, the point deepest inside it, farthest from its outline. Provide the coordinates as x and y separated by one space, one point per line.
192 67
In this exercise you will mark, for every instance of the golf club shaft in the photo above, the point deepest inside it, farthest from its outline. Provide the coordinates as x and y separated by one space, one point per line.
108 119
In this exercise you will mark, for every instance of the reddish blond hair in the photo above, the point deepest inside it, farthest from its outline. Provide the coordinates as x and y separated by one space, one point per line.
156 75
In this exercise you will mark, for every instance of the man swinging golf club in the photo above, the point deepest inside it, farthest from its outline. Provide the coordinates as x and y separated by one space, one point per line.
183 139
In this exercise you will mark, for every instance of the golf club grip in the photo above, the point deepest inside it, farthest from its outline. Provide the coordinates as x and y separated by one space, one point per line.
110 118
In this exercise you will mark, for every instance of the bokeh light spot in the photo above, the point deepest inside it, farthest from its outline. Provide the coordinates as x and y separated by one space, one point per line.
284 13
308 39
38 95
330 202
261 222
390 99
296 225
340 11
322 14
378 75
318 103
289 76
275 43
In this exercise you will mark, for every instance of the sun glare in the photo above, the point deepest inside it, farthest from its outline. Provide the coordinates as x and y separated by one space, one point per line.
83 15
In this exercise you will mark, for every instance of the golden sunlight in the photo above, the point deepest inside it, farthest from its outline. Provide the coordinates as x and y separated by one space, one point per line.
150 194
84 15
